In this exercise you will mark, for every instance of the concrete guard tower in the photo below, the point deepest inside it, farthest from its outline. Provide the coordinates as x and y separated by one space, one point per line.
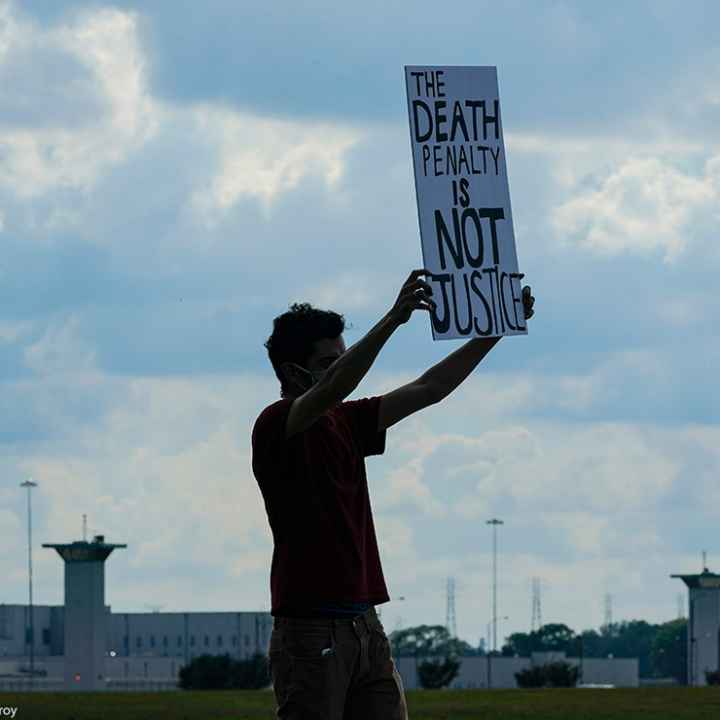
703 651
85 630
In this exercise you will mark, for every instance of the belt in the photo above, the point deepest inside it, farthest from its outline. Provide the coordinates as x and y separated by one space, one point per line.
347 610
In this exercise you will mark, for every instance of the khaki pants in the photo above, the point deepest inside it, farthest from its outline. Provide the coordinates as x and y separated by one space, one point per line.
325 669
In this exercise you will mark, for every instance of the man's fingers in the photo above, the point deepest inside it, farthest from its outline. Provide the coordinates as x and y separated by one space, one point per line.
418 285
528 301
417 273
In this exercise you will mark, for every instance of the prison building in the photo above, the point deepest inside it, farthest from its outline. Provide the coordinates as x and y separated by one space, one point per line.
703 648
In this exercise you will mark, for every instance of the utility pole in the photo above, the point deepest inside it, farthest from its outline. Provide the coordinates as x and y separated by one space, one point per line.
450 613
494 522
536 622
30 484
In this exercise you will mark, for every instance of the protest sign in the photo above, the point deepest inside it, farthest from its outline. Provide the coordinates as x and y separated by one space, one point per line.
463 199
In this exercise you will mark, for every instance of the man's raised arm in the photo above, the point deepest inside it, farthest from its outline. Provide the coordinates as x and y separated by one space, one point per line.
444 377
350 368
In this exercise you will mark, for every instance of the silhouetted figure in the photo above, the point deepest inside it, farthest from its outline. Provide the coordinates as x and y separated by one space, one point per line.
329 655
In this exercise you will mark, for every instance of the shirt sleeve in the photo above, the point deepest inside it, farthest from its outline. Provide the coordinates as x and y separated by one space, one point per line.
363 416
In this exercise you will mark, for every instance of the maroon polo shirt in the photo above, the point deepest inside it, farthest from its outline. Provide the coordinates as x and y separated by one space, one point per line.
316 497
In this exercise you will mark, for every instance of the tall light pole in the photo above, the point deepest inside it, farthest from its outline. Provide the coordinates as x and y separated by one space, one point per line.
494 522
487 655
30 484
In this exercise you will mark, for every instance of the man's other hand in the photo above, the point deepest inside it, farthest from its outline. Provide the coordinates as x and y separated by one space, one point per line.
528 302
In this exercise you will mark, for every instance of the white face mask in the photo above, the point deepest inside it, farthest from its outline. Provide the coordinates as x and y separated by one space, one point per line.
311 374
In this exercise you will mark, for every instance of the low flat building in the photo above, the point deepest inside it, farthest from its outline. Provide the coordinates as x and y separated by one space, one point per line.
143 649
499 672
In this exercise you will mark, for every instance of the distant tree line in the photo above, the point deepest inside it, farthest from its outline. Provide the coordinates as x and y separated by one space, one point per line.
554 674
221 672
661 649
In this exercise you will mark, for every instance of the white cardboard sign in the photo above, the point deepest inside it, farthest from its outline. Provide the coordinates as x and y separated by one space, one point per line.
463 199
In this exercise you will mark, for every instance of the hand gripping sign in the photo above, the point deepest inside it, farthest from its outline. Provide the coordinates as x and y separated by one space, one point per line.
463 199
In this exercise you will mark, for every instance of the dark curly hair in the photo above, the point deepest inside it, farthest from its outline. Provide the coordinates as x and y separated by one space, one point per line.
295 333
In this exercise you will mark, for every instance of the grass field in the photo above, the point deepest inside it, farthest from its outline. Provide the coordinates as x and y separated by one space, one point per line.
570 704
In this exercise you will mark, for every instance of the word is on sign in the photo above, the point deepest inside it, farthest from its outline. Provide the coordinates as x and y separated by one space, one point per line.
463 200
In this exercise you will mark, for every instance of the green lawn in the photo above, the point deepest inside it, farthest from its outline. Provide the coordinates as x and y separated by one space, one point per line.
571 704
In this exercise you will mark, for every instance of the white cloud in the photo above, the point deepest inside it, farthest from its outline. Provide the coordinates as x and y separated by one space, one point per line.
167 469
644 204
405 489
255 157
590 484
61 350
349 290
261 157
40 159
166 461
650 186
397 538
8 27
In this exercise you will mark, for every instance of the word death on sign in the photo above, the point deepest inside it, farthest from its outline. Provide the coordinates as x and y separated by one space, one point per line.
433 121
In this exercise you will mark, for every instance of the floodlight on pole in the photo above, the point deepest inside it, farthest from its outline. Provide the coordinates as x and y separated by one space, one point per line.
494 522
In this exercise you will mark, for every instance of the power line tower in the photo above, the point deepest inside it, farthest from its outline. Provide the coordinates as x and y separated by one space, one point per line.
450 611
608 610
680 606
536 622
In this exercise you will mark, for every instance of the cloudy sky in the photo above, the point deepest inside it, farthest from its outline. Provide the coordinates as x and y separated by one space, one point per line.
174 174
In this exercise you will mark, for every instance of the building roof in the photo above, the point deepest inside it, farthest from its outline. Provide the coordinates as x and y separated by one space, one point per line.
83 551
705 579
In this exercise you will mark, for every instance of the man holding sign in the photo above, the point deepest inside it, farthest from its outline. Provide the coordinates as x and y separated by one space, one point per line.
330 658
